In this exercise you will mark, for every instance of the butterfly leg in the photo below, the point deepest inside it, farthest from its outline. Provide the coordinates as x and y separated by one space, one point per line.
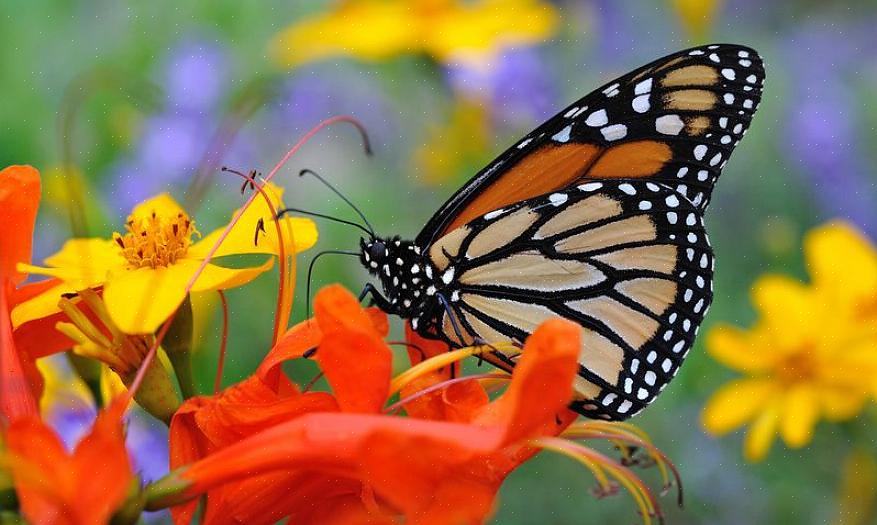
453 318
377 299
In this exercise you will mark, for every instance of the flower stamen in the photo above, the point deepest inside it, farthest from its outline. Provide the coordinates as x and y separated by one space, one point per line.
155 241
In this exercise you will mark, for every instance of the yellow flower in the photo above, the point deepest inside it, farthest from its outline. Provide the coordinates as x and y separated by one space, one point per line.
696 16
811 354
144 271
455 145
444 29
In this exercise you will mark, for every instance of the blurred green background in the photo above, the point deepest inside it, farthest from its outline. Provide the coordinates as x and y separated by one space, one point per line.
141 97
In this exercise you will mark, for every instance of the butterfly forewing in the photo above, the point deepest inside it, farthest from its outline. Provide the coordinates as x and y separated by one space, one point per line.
627 259
674 121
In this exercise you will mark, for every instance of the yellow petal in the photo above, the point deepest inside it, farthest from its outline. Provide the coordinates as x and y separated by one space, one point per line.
370 30
800 413
760 436
841 259
220 278
43 305
241 239
696 15
140 300
736 403
478 30
162 205
840 404
790 311
82 262
739 350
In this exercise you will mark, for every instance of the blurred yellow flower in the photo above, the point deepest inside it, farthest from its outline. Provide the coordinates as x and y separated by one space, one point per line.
811 354
696 16
454 145
444 29
144 272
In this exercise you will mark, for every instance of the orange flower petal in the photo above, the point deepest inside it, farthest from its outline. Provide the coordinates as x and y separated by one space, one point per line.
335 307
459 402
19 200
203 425
541 385
358 366
404 460
17 398
291 345
86 486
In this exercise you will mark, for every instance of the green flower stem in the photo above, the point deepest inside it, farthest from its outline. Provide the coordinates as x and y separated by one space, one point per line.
157 394
167 491
178 345
89 370
132 507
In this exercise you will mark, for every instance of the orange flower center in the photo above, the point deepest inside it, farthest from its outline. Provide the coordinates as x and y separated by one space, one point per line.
155 241
798 367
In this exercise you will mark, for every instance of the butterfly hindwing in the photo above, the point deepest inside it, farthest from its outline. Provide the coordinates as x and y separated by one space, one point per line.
627 259
674 121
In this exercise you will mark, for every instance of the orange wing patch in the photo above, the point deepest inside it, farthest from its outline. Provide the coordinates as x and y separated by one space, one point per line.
550 168
631 160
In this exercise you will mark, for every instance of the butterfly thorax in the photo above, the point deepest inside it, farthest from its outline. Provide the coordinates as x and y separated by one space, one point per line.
409 281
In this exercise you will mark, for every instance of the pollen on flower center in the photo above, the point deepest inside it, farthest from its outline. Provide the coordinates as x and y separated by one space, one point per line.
154 241
798 367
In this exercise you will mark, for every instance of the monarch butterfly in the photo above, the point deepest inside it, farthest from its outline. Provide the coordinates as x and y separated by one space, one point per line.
595 216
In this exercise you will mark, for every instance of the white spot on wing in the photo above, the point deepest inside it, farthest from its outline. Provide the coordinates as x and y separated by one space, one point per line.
643 87
669 124
641 104
563 135
558 198
614 132
597 118
591 186
493 214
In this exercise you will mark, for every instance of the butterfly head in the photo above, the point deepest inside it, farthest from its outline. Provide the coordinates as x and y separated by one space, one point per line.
373 254
401 268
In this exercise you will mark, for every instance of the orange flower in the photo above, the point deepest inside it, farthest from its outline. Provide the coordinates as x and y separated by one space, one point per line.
263 450
85 487
20 382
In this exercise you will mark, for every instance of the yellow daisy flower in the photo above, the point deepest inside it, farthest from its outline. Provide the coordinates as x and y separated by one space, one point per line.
144 271
812 353
696 16
444 29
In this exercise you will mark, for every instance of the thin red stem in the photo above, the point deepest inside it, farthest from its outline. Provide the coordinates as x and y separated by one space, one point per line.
223 344
147 360
281 252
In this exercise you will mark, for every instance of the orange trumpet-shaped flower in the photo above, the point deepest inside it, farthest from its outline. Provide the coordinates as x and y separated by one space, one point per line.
20 382
263 450
58 488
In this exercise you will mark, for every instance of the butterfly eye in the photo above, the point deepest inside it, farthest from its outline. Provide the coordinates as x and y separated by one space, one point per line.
377 251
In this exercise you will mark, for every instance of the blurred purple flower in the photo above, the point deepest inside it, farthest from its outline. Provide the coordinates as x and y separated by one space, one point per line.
196 75
320 91
175 140
824 120
518 83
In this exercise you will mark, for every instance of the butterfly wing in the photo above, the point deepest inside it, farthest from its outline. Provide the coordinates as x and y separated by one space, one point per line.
627 259
674 121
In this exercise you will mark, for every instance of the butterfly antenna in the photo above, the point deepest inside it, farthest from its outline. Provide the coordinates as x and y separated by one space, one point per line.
338 193
311 269
284 211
